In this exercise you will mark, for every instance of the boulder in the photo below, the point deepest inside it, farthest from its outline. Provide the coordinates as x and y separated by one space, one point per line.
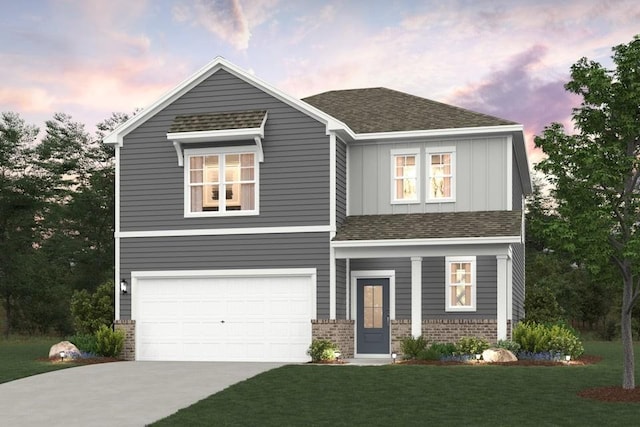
70 350
498 355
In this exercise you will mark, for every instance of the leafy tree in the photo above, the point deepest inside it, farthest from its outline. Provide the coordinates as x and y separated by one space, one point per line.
20 203
595 173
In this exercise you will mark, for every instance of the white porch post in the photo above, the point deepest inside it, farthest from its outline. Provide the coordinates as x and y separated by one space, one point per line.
416 296
503 293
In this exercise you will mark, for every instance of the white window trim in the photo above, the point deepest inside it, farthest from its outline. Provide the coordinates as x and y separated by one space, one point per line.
220 151
447 293
404 152
440 150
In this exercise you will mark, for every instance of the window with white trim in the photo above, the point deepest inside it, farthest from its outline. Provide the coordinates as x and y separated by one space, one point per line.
405 176
460 284
220 183
441 175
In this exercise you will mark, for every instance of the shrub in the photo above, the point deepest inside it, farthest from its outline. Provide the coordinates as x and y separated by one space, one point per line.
90 311
322 351
512 346
471 345
437 351
411 347
109 343
555 339
84 342
531 337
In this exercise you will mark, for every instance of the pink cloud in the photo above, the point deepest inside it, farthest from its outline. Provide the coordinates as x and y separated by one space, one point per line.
30 99
517 94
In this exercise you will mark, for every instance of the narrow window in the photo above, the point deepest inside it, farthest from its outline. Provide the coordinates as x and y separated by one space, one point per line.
405 177
441 180
461 283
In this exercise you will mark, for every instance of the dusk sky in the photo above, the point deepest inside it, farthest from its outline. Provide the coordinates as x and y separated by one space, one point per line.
88 58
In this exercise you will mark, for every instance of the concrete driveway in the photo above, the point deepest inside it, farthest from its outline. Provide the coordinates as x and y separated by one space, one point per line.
117 394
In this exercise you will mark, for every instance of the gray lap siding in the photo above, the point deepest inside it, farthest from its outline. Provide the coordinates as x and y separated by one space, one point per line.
293 179
264 251
433 286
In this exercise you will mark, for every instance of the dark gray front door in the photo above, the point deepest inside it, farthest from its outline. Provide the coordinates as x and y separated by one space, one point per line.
373 316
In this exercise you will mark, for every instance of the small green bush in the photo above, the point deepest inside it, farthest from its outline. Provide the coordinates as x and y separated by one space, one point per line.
322 351
91 311
558 338
512 346
84 342
411 347
437 351
471 345
109 343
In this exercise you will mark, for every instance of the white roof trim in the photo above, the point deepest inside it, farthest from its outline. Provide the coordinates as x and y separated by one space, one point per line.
216 135
435 132
219 63
425 242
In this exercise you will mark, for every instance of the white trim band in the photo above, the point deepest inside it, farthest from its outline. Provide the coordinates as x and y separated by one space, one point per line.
224 231
425 242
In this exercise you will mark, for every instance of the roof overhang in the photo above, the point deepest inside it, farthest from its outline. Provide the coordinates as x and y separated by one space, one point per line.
388 243
217 136
117 136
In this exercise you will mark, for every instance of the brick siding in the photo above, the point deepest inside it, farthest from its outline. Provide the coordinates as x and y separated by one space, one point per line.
129 349
339 332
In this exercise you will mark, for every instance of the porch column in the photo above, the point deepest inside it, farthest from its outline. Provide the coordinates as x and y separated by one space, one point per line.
502 296
416 296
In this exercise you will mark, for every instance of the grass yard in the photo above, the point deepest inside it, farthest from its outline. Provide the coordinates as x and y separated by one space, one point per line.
398 395
18 357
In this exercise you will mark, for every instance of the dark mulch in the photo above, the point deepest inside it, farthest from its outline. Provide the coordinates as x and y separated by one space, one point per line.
87 361
583 360
611 394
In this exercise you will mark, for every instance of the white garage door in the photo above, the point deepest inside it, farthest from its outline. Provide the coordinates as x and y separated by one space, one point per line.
208 317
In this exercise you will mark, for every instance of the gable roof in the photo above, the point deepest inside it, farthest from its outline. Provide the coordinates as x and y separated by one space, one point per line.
219 63
437 225
380 109
218 121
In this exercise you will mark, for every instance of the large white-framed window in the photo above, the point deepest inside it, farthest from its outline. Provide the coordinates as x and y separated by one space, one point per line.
405 176
441 174
221 181
460 293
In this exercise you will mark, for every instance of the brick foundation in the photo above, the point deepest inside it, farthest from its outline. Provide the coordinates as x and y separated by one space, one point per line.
400 329
451 330
339 332
129 349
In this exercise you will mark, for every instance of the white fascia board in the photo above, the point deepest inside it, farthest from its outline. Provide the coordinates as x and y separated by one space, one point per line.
258 272
425 242
216 135
436 132
116 137
224 231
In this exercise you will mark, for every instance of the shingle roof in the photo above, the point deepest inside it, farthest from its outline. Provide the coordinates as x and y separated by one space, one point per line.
385 110
431 225
218 121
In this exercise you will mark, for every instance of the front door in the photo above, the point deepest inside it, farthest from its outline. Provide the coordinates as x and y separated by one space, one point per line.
373 316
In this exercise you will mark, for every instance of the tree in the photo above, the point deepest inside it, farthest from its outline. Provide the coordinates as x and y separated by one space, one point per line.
595 173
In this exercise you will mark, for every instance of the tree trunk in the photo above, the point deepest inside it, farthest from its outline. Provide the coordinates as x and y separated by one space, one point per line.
628 365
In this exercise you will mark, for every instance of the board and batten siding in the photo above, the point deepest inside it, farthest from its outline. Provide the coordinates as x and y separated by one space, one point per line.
518 270
293 179
480 176
516 189
241 252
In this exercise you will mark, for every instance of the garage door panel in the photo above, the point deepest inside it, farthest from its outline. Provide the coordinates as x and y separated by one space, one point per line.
223 318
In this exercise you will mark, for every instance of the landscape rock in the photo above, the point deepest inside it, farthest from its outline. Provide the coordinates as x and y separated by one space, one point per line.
71 351
494 355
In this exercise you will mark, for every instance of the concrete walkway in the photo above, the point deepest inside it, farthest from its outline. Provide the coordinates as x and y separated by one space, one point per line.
117 394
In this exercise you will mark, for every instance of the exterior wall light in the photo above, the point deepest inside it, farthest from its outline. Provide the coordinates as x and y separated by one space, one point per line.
123 286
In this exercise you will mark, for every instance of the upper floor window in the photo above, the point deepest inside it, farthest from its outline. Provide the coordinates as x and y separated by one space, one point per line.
405 176
461 284
441 179
220 183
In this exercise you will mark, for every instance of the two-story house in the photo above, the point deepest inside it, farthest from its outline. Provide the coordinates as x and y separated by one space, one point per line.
249 222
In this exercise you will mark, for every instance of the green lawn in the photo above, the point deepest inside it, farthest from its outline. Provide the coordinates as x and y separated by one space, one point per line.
18 357
396 395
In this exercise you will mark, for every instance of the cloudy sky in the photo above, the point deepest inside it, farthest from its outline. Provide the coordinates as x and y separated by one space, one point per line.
88 58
